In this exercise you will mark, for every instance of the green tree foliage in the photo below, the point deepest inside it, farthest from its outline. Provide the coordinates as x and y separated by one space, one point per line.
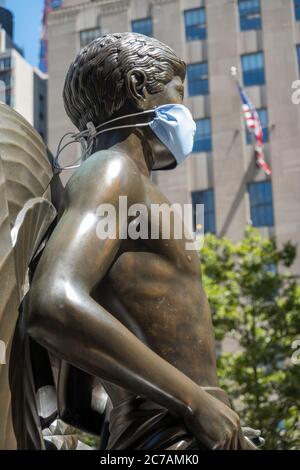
256 300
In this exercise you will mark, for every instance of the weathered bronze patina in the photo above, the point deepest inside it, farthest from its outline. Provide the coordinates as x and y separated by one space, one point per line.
131 312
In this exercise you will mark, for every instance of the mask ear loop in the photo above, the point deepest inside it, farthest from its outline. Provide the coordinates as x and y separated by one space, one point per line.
78 138
88 136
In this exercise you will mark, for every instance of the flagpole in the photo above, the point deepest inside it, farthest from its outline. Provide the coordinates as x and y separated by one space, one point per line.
234 74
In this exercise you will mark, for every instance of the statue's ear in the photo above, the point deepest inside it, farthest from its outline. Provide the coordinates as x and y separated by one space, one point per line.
136 87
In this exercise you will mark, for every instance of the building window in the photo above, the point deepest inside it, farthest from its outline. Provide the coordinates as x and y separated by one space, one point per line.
56 4
203 141
8 98
143 26
298 55
197 75
250 16
2 91
89 35
263 116
195 24
297 9
253 69
5 63
261 204
205 197
6 78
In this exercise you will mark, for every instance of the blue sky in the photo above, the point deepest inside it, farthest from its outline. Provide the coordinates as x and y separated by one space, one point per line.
28 18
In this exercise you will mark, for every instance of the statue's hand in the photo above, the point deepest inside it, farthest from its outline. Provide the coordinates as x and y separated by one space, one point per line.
254 435
215 425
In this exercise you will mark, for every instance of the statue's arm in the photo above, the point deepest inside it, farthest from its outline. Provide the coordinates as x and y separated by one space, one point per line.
65 319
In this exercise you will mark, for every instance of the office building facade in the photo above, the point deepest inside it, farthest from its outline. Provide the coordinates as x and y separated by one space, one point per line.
259 37
22 86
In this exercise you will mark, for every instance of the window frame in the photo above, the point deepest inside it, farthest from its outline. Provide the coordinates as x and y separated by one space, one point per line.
55 4
210 214
93 36
250 21
191 29
254 76
298 56
197 86
7 64
297 9
205 137
260 218
140 20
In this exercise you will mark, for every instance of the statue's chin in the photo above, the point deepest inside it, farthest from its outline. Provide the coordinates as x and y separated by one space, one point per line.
163 159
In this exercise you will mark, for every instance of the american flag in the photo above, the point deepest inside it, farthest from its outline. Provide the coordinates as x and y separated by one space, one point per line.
49 5
253 125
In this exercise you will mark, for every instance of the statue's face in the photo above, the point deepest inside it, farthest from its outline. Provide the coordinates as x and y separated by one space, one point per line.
173 93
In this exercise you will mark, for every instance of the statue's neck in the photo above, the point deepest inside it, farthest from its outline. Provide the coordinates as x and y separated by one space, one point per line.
132 145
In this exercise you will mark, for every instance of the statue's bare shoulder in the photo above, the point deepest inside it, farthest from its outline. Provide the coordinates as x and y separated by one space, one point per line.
102 178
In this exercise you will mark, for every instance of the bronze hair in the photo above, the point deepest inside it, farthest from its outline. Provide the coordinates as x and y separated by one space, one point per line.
96 86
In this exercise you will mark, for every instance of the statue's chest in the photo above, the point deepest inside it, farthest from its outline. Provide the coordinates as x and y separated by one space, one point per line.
156 250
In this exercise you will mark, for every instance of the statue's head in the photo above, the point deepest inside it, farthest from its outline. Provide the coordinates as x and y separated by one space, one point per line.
120 74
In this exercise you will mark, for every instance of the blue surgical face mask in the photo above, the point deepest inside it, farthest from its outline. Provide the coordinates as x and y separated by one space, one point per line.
173 124
175 128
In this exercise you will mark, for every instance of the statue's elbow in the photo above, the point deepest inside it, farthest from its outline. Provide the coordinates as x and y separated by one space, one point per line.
46 312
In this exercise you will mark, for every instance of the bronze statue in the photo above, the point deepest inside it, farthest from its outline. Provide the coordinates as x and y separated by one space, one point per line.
131 314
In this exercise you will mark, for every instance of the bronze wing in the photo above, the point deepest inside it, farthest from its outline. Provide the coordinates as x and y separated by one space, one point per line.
26 213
